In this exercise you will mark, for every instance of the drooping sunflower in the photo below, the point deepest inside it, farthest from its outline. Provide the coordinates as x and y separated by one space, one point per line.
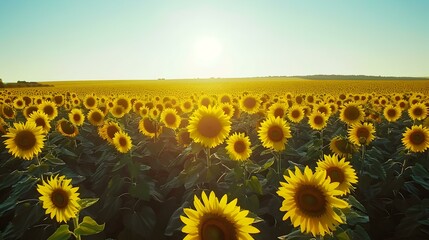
59 198
76 117
295 113
122 142
341 146
40 119
250 104
137 105
108 131
125 102
66 128
29 110
416 138
214 219
96 117
50 109
278 109
309 201
361 133
149 127
209 126
183 138
274 133
24 140
339 171
351 113
317 120
170 118
238 147
392 113
418 111
59 100
90 101
7 111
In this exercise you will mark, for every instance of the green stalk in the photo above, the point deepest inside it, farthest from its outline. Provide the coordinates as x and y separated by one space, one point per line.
76 224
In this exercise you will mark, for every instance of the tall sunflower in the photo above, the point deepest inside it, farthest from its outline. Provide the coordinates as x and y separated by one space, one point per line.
351 113
309 201
66 128
341 146
122 142
362 133
214 219
76 117
418 111
274 133
170 118
209 126
149 127
29 110
108 131
125 102
25 140
317 120
238 147
392 113
59 198
40 119
416 138
339 171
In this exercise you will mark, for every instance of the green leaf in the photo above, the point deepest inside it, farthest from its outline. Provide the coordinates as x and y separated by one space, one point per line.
267 164
86 202
421 175
62 233
254 184
54 160
88 227
356 204
141 222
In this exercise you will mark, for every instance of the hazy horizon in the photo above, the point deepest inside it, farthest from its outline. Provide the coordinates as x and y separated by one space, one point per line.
149 40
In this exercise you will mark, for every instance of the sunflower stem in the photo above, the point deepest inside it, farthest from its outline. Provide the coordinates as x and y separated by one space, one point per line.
279 163
76 224
321 142
362 157
404 164
208 158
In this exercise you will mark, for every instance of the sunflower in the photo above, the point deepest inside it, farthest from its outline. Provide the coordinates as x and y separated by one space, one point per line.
278 110
59 100
50 109
90 102
7 111
295 114
137 105
351 113
96 117
392 113
170 118
150 127
317 120
418 111
250 104
338 171
19 103
187 106
309 201
416 138
209 126
227 109
76 117
24 140
154 113
2 126
144 111
122 142
225 98
341 146
274 133
238 147
29 110
183 138
214 219
117 111
76 102
40 119
204 100
59 198
361 133
66 128
323 108
108 131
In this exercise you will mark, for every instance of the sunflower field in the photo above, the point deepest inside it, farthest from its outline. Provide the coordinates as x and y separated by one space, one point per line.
215 159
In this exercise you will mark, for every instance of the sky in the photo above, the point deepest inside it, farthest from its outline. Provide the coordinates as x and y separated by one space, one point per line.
110 39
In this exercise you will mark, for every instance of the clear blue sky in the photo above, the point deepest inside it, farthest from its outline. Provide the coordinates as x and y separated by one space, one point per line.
101 39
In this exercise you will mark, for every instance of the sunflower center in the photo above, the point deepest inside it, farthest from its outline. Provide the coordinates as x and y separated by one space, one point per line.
311 201
187 105
362 132
60 198
149 125
67 127
279 112
318 120
205 102
119 110
209 126
49 110
275 133
96 116
225 99
8 111
123 103
335 174
323 110
226 110
417 137
352 113
58 99
239 147
391 113
217 228
418 111
296 114
341 145
249 102
76 117
25 140
40 122
111 130
31 110
90 102
122 141
170 119
138 105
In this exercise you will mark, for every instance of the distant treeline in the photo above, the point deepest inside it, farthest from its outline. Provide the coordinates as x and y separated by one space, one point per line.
23 84
357 77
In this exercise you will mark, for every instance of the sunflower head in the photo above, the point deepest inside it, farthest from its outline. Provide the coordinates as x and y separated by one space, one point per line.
250 104
392 113
40 119
122 142
170 118
351 113
317 120
296 114
217 219
274 133
309 201
278 110
183 138
341 146
66 128
108 131
76 117
59 198
238 147
416 138
96 117
339 171
50 109
150 127
25 140
418 111
90 101
362 133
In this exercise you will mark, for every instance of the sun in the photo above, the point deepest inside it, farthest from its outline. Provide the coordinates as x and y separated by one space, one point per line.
207 50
